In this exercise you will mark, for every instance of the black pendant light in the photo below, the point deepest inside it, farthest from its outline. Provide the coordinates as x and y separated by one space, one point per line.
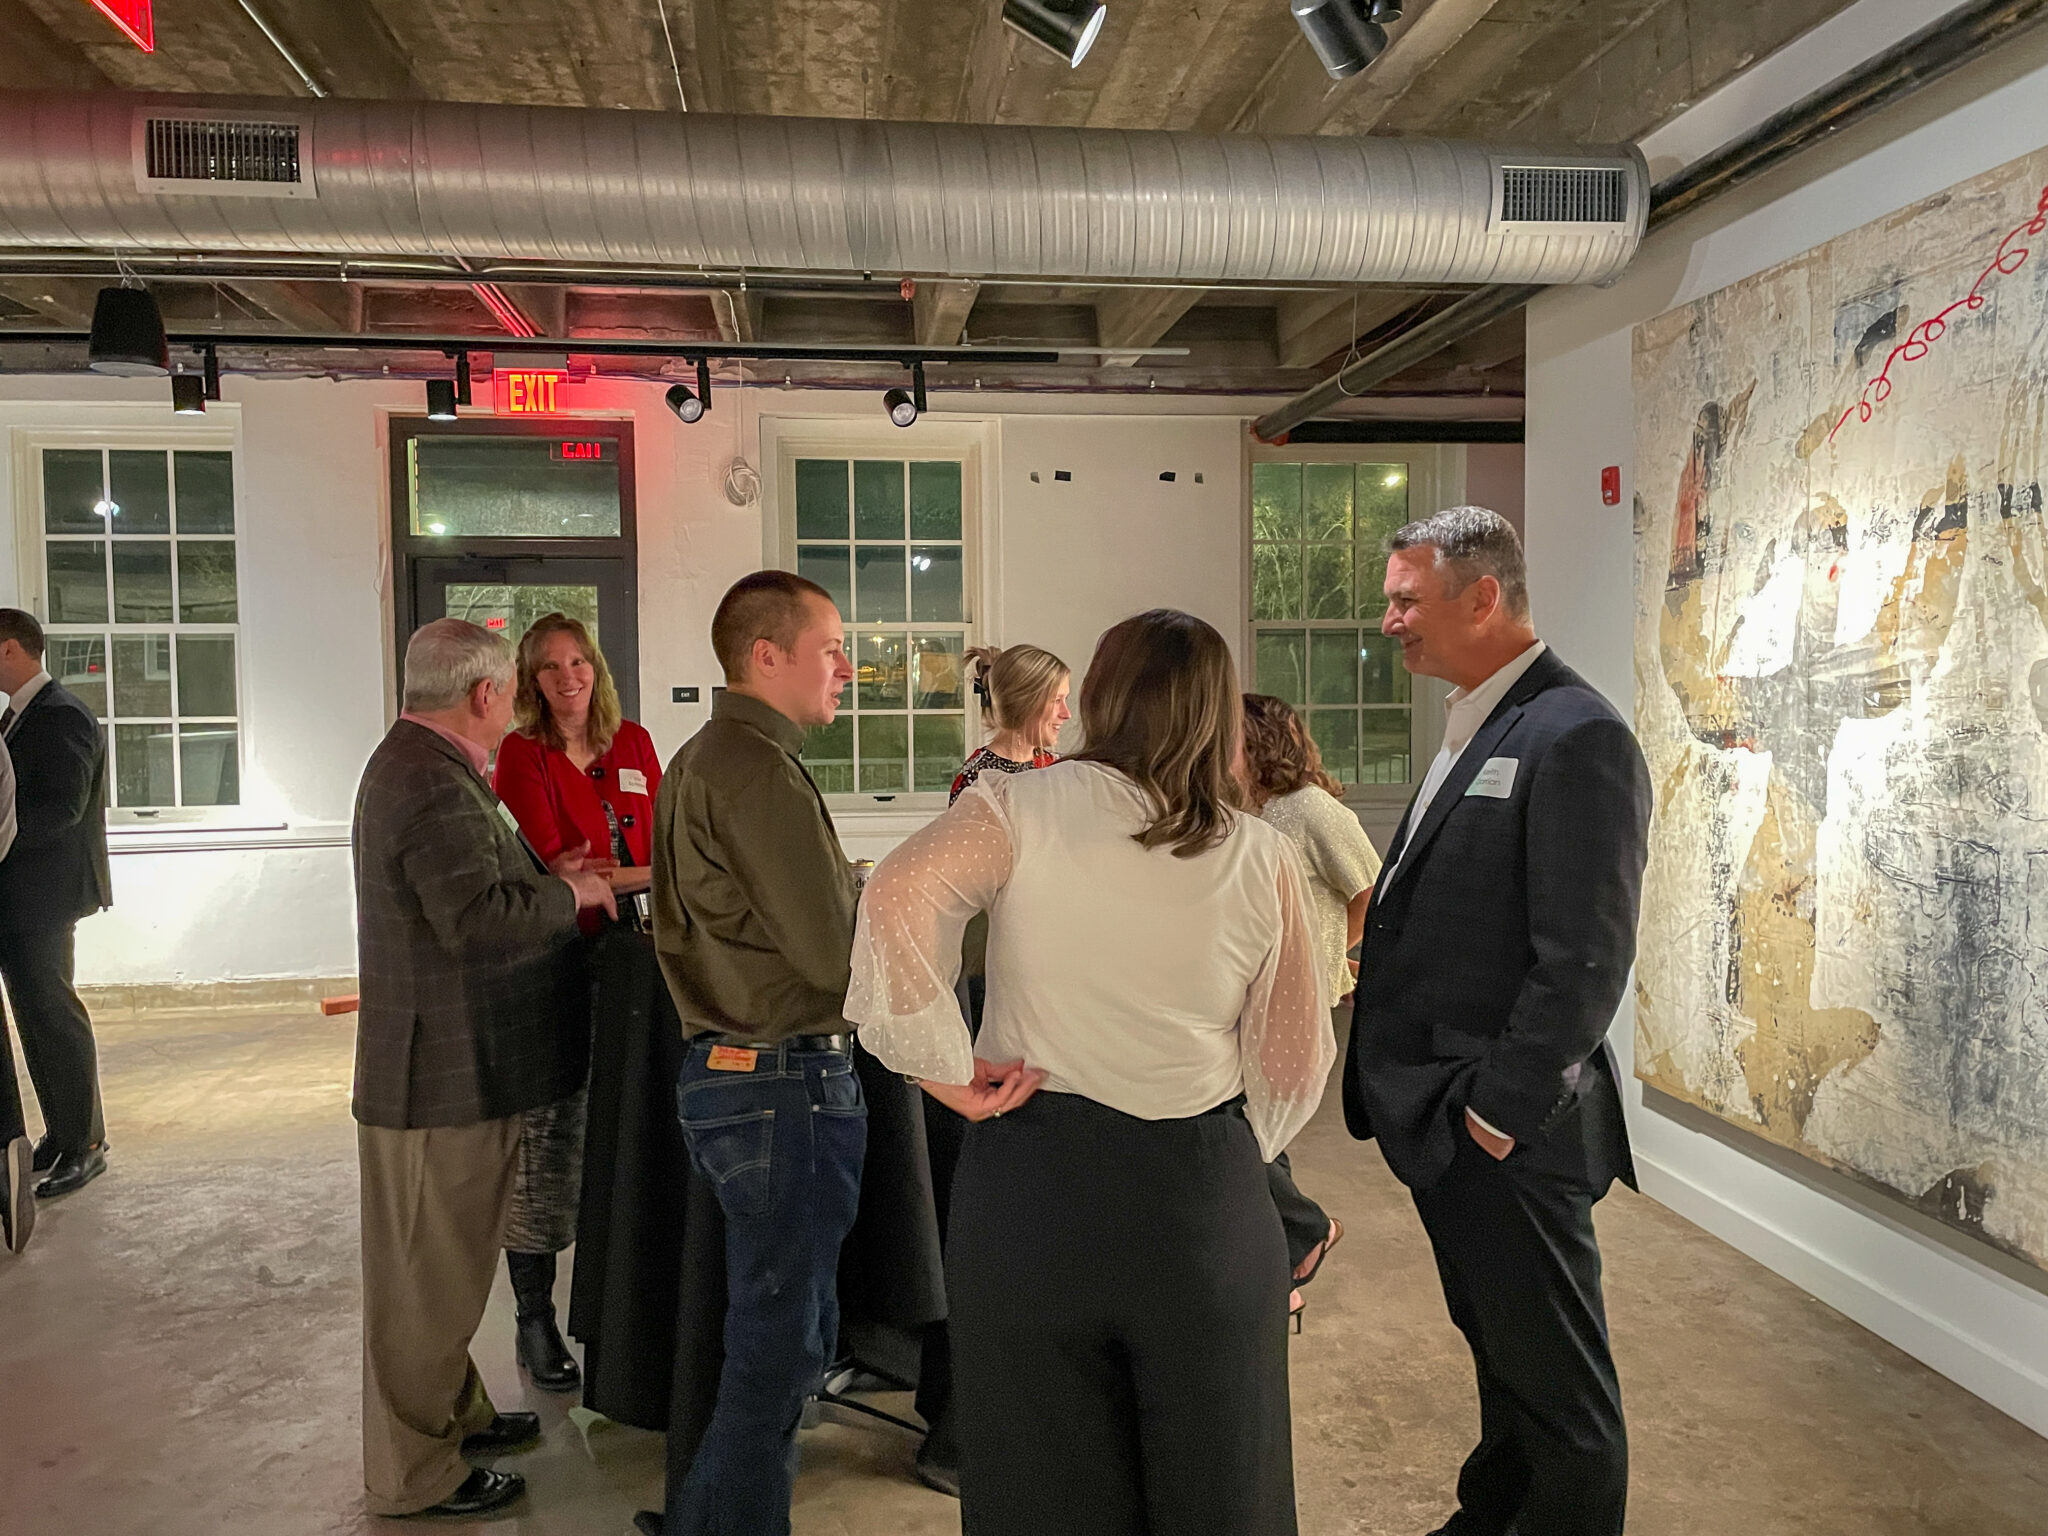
1343 33
128 335
1068 27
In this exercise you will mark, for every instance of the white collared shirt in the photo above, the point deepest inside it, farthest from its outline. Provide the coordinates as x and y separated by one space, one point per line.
19 700
1465 711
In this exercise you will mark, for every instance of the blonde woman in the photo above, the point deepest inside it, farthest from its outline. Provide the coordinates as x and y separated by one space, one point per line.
573 773
1158 1026
1023 692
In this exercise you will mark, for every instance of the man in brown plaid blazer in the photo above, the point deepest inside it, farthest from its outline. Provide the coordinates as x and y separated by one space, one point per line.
461 938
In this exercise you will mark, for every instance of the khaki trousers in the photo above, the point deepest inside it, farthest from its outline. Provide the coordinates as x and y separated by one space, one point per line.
434 1210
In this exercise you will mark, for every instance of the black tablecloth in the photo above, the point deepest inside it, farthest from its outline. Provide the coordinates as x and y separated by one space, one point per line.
648 1301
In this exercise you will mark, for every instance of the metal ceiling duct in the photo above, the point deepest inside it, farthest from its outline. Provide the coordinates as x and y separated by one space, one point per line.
114 172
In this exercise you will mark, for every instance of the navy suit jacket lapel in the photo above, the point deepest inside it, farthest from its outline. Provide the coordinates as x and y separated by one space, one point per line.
1467 767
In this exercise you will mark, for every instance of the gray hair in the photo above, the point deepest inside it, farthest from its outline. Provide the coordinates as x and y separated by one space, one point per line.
1471 542
444 660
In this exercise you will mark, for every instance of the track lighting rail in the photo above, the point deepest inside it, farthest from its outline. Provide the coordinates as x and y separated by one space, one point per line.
689 351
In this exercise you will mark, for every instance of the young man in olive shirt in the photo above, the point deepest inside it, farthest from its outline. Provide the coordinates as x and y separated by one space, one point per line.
753 924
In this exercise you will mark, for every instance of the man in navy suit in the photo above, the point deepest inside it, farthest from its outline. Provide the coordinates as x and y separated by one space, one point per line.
55 874
1497 946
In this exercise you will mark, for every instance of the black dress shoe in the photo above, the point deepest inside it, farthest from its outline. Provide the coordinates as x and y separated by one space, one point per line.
72 1171
507 1433
647 1522
481 1492
17 1197
545 1356
47 1152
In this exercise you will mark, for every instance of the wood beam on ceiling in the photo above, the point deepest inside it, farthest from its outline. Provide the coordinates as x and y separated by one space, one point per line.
546 305
1310 327
1139 317
1297 96
347 47
698 29
315 307
939 312
987 69
1493 346
61 300
739 316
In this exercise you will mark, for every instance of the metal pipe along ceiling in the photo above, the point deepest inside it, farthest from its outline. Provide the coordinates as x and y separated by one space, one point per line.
448 179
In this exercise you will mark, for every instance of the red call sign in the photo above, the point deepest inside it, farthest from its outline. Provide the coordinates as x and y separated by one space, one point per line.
528 391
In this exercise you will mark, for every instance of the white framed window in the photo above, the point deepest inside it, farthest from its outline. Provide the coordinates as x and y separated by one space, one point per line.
889 528
131 545
1318 522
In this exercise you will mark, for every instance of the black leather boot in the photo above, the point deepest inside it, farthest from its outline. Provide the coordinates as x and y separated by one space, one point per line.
541 1350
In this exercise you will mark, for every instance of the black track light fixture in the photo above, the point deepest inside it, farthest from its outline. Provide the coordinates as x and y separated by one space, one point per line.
210 362
128 335
441 400
1066 27
188 394
691 404
1345 34
906 405
462 378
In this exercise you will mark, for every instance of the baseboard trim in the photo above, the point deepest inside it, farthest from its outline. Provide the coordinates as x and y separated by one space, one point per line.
284 994
2011 1386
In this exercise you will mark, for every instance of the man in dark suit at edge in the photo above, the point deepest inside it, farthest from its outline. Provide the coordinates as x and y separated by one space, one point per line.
1497 947
56 873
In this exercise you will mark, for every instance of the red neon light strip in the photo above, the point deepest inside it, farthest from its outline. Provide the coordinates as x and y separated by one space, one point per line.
134 18
504 311
2007 260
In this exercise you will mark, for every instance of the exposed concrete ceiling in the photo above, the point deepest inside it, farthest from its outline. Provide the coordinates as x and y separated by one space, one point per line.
1545 71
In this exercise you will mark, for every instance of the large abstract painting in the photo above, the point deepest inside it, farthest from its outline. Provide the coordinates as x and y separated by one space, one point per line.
1842 687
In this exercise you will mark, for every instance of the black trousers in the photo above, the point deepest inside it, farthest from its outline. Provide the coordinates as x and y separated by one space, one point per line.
56 1037
1304 1222
1521 1273
1118 1377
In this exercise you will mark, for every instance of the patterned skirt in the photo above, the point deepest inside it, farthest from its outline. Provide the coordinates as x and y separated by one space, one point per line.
550 1177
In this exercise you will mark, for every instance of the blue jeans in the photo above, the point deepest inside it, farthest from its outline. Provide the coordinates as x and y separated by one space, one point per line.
782 1145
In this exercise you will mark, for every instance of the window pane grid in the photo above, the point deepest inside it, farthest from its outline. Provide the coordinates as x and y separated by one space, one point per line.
1319 537
887 538
140 565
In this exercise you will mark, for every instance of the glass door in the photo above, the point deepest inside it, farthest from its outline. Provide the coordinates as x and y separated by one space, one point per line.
500 522
506 594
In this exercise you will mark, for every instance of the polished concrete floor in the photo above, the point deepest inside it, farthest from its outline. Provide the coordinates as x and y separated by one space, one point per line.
178 1354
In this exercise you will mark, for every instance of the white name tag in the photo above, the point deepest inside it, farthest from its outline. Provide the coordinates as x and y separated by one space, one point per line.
1496 781
632 782
505 815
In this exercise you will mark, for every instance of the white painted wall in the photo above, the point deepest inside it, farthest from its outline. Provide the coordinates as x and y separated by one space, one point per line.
269 897
1964 1310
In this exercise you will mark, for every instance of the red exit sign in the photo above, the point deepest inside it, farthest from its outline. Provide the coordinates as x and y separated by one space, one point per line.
529 391
586 450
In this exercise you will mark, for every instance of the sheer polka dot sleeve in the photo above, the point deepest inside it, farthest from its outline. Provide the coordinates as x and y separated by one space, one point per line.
906 945
1284 1032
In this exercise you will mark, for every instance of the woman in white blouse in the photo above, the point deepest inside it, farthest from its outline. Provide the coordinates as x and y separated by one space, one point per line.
1116 1272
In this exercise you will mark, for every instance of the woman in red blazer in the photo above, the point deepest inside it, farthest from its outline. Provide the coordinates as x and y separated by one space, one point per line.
575 774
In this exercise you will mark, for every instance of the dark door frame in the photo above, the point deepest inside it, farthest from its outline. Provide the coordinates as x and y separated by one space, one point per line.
410 550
